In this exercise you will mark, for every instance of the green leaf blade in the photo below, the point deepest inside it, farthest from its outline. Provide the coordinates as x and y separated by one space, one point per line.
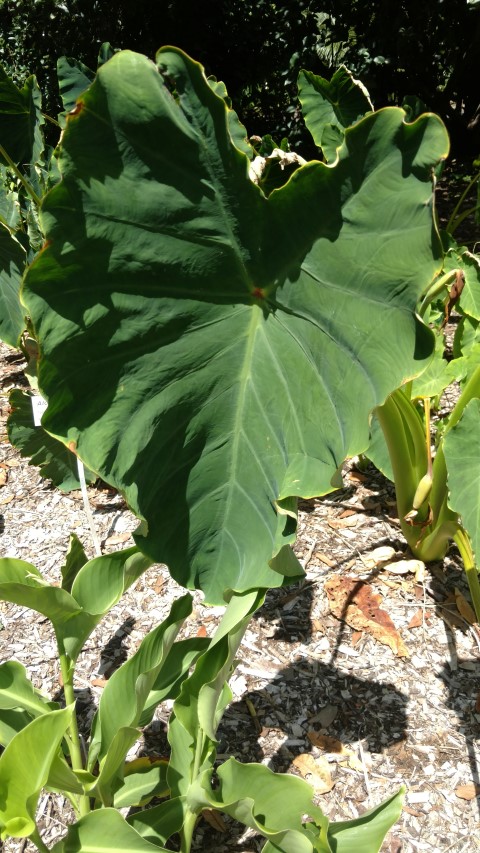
21 781
203 336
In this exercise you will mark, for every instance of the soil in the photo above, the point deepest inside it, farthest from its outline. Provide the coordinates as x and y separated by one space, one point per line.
409 712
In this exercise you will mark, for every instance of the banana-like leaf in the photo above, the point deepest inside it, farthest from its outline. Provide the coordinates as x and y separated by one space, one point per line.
24 769
180 371
140 785
330 106
97 587
366 833
271 803
17 691
12 266
123 699
462 454
160 822
20 120
175 669
11 722
111 768
204 696
104 831
56 462
75 560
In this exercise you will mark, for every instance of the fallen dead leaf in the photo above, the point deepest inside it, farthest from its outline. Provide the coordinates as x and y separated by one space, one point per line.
339 523
99 682
324 559
356 637
214 819
379 556
464 608
359 606
202 631
3 476
405 567
316 771
347 513
7 500
356 476
467 792
416 620
118 538
335 747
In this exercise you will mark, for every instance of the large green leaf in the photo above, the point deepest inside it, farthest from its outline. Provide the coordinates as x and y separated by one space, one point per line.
56 462
20 120
24 769
330 106
104 831
73 78
12 265
211 351
17 691
462 455
366 833
97 587
126 692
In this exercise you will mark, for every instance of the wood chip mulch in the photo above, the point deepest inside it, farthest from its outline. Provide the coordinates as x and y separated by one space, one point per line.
312 695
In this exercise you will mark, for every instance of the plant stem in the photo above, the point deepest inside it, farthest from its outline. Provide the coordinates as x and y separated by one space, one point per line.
35 837
463 544
67 669
31 192
452 224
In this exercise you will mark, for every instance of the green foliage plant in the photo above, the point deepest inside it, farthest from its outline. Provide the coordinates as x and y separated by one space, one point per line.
212 349
438 497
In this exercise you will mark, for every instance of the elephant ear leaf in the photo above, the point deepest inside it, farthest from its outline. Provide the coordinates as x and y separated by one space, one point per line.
330 106
56 462
229 347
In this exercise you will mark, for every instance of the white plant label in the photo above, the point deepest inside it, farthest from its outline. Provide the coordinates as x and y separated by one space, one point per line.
39 404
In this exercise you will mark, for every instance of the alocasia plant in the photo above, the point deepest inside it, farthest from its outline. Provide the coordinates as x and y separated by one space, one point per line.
214 351
182 315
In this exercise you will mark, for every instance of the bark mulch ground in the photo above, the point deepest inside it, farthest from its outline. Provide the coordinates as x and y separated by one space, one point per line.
312 695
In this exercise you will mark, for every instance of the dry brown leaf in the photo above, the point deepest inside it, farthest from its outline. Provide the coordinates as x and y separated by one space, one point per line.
13 463
99 682
359 606
356 637
7 500
316 771
335 747
347 513
467 792
117 538
324 559
202 631
340 523
464 608
3 476
356 476
416 620
159 584
214 819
